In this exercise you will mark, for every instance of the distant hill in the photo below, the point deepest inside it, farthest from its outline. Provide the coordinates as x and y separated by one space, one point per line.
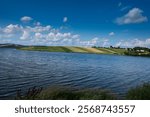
136 51
74 49
9 45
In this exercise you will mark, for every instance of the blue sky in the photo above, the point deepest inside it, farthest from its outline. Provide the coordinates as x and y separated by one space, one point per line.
75 22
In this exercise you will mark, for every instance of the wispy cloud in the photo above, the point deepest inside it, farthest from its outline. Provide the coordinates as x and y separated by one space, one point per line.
111 34
119 4
65 19
125 8
26 19
133 16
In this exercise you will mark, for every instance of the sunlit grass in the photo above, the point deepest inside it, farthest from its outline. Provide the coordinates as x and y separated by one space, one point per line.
75 49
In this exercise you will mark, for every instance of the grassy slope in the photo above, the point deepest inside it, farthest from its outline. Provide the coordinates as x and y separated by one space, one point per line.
75 49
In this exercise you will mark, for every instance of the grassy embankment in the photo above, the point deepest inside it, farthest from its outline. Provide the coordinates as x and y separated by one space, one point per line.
60 93
76 49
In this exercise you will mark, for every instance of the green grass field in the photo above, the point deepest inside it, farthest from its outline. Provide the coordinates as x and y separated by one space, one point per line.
75 49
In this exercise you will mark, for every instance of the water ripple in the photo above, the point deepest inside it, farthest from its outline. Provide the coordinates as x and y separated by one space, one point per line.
24 69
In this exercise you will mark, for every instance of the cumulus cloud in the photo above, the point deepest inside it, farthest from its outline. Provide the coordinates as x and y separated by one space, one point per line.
134 43
45 35
38 34
37 23
91 42
133 16
111 34
65 19
25 35
11 28
26 19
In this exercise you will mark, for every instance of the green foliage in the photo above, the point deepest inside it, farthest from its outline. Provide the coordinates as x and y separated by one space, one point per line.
138 51
96 94
61 93
69 94
141 48
118 50
47 48
139 93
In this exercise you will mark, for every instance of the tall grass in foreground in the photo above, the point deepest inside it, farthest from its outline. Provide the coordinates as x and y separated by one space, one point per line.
62 93
139 93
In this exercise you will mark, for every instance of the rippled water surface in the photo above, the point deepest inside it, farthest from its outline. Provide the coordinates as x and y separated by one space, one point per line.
25 69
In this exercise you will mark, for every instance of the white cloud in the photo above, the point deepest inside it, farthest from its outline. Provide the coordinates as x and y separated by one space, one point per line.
38 34
125 8
55 37
25 35
6 36
11 29
134 43
132 17
26 19
37 23
101 42
105 43
45 35
91 42
111 34
39 28
65 19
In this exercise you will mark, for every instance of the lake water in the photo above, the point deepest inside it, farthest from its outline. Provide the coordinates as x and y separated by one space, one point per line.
25 69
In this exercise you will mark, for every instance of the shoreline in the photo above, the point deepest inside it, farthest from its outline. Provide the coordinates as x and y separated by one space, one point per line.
141 92
72 49
86 50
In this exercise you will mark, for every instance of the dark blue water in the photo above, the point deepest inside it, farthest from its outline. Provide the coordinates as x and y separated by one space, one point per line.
25 69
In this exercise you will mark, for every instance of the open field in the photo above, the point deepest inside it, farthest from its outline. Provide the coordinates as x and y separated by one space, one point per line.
75 49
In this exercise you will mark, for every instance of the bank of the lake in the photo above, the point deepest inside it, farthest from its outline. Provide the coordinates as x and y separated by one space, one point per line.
141 92
72 49
136 51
